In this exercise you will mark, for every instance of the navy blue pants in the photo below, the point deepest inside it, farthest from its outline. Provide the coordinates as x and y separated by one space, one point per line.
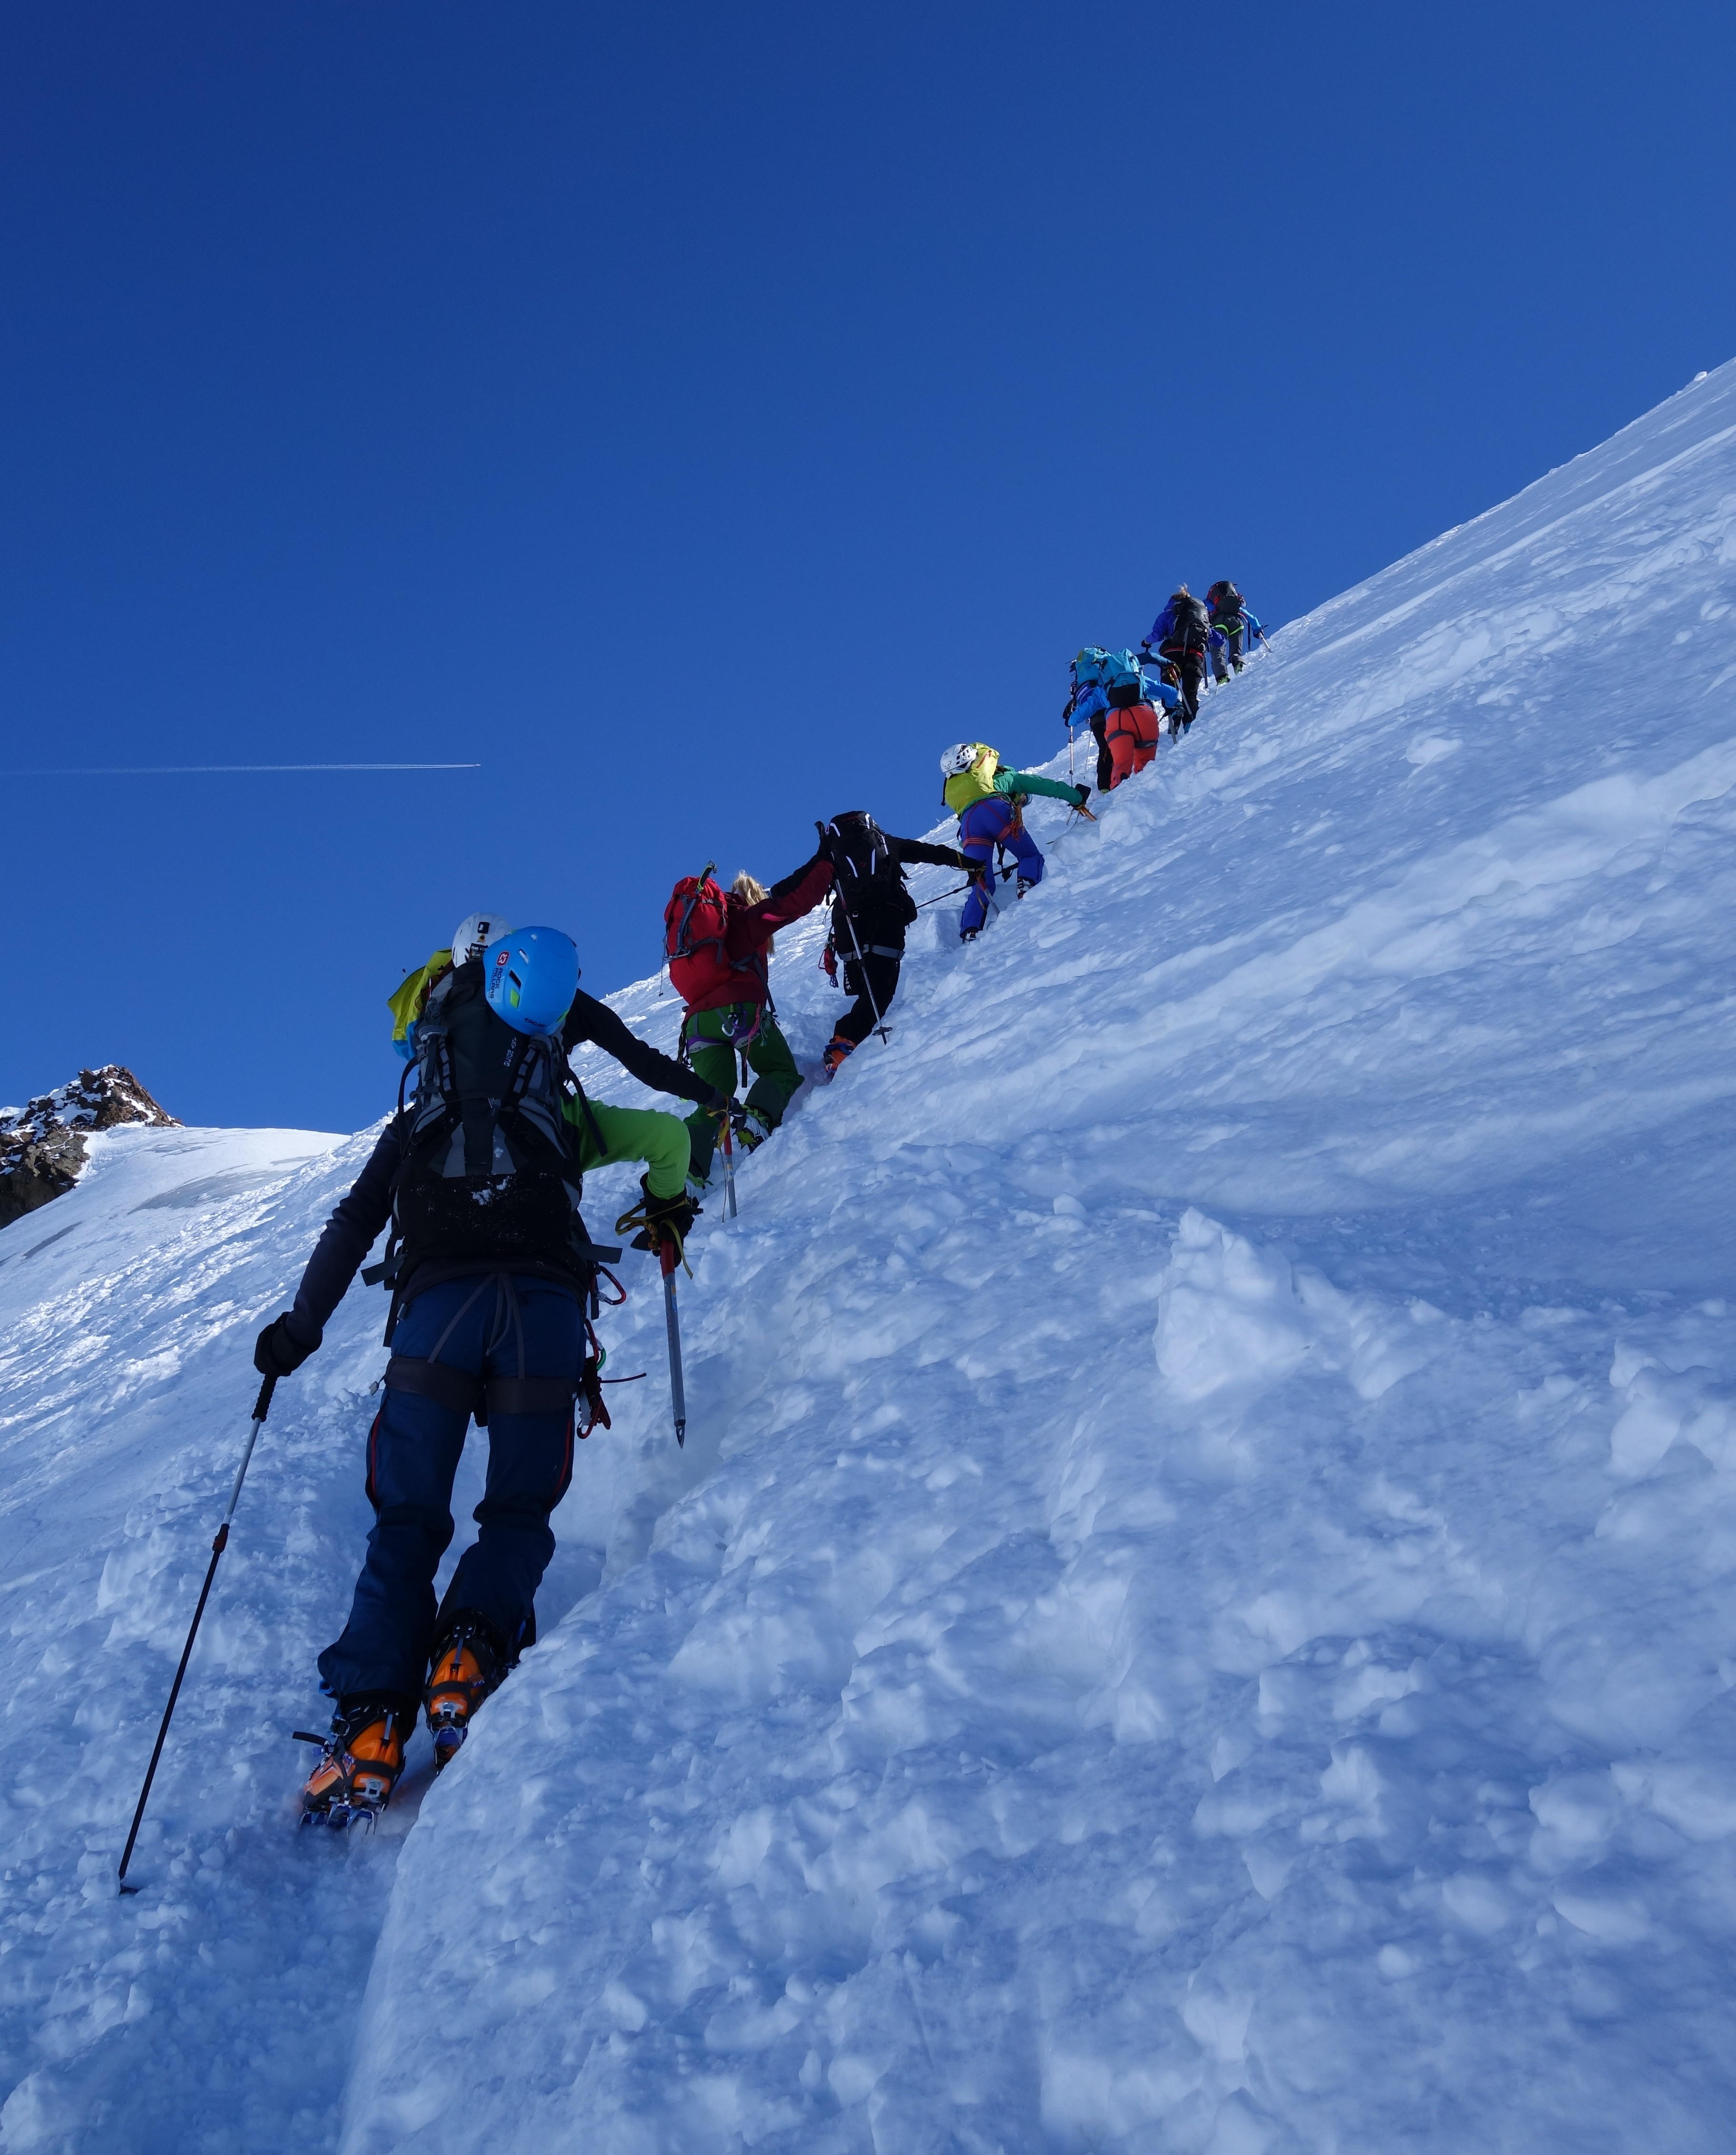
488 1325
984 825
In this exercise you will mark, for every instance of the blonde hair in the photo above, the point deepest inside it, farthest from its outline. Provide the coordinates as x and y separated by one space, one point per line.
750 890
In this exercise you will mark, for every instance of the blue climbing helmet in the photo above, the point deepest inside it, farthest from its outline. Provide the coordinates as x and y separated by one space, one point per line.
531 978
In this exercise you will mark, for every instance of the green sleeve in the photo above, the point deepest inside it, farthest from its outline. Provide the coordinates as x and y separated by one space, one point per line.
1026 783
645 1134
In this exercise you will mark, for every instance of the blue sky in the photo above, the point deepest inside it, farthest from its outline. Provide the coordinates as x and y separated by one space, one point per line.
699 417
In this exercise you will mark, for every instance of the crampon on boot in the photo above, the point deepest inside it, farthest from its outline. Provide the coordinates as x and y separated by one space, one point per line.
468 1664
837 1048
360 1762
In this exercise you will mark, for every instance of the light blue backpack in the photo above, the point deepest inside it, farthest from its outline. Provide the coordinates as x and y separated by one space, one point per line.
1103 681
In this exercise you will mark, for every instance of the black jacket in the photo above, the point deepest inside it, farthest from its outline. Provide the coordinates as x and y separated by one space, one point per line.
1192 625
360 1217
589 1020
879 907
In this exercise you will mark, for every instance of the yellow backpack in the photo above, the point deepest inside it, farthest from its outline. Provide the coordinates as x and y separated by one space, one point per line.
975 784
406 1001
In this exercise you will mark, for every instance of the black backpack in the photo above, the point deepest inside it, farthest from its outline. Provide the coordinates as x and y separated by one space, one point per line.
1192 626
869 882
1224 601
488 1175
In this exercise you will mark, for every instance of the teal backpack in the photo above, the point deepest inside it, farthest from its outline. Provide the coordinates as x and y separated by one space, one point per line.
1114 675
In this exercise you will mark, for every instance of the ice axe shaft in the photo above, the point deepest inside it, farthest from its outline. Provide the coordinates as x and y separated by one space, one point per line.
669 1257
729 1161
220 1541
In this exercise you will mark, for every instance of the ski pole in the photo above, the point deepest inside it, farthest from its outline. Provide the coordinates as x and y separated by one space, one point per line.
669 1256
862 968
861 962
953 893
219 1544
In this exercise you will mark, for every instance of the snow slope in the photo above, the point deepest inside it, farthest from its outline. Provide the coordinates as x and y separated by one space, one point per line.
1195 1612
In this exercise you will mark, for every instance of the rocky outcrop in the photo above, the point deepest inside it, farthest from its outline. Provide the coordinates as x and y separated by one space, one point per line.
42 1146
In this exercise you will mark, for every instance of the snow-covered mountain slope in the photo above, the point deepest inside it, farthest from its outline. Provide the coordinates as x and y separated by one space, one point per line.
1196 1613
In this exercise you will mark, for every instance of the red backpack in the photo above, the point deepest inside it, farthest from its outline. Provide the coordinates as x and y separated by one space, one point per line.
696 922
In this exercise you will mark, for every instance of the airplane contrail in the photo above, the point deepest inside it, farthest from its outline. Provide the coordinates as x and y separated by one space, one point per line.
210 770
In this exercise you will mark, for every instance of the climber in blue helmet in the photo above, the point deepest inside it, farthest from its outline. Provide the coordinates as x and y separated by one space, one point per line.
493 1280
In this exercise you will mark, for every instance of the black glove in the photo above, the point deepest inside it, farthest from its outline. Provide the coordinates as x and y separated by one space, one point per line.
1085 795
823 851
976 870
659 1218
716 1103
283 1347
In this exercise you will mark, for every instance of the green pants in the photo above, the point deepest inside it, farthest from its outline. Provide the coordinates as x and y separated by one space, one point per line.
776 1077
645 1134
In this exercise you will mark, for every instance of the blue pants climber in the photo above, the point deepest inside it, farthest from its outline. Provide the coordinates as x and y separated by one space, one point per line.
983 825
485 1326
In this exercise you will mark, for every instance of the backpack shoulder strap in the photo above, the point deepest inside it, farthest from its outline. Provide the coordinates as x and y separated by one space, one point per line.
590 1123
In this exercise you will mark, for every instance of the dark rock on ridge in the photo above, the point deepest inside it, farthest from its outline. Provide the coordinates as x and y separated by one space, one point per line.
42 1146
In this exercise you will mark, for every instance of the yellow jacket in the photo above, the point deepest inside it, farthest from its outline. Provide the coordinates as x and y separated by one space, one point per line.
406 1000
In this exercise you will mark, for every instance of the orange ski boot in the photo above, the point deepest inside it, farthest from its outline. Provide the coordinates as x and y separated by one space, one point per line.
467 1664
359 1764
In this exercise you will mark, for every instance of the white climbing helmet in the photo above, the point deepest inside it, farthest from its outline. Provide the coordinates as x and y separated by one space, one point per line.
958 760
475 932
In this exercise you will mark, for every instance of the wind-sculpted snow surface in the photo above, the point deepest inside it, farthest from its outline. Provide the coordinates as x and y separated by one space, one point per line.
1205 1623
1196 1611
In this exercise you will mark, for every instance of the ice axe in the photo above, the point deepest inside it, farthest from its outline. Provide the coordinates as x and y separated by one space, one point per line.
669 1256
729 1143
